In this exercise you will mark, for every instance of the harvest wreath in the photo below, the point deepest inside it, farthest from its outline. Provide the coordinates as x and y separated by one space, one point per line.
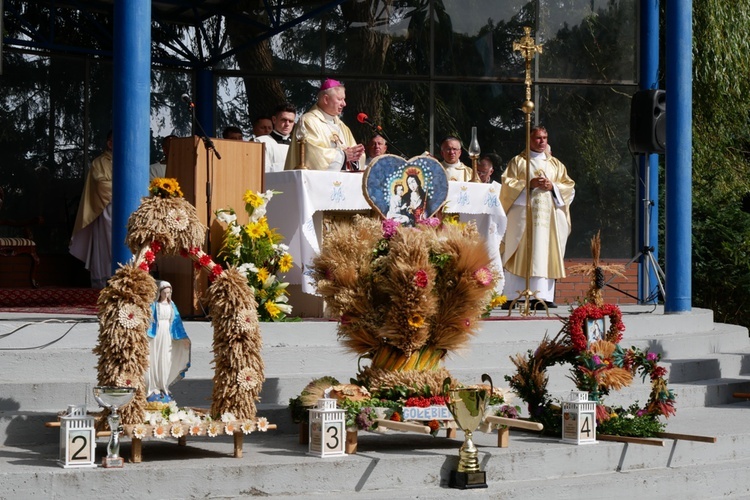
598 367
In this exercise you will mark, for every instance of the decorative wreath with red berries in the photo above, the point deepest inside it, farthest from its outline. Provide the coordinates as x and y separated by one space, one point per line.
580 315
591 366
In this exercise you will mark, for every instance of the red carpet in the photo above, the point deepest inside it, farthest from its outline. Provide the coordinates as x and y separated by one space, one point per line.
49 300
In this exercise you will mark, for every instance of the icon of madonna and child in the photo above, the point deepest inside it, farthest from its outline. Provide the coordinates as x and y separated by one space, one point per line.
406 191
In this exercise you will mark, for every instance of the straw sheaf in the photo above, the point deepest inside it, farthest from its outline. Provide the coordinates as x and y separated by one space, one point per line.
237 345
154 220
409 254
464 297
342 268
377 379
122 347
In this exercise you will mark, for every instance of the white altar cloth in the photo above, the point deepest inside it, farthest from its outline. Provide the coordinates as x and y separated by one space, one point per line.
306 194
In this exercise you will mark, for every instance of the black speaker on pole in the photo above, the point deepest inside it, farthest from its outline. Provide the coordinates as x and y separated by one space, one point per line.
648 121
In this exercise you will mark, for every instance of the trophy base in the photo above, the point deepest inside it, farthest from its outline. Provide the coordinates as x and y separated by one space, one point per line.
113 462
467 480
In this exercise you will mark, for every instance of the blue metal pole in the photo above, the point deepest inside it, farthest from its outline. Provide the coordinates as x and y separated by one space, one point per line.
130 117
204 101
679 203
648 221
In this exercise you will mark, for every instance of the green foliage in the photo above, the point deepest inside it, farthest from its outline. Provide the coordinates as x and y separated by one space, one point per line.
631 422
721 148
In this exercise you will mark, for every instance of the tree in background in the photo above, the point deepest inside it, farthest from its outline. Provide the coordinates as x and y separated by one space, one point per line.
721 149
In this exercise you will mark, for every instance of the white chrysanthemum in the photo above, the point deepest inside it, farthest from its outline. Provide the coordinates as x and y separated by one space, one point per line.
247 267
155 418
160 431
177 431
129 316
196 429
182 415
228 417
247 427
139 431
173 406
174 417
230 428
214 428
177 219
262 424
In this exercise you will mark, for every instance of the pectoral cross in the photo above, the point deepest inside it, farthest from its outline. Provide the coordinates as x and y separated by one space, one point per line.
527 48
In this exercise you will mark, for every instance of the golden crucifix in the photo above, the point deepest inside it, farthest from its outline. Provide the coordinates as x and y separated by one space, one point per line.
528 49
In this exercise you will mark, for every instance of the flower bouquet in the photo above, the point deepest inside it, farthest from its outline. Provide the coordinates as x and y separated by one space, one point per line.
257 252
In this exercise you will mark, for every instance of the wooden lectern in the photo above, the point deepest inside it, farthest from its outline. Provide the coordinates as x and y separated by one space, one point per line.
209 184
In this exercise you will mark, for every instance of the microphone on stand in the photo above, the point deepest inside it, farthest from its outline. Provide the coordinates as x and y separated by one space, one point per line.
188 101
363 118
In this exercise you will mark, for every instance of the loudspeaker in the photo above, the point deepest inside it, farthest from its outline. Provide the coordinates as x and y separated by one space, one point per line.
648 121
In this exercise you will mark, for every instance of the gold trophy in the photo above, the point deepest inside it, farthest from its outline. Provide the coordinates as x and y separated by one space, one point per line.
467 405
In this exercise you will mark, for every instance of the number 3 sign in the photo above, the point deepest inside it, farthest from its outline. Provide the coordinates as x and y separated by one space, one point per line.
327 434
77 438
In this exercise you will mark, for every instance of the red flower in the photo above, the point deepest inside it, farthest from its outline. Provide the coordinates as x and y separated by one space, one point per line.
658 372
421 279
143 266
217 270
204 260
156 246
434 425
194 251
197 265
396 416
149 256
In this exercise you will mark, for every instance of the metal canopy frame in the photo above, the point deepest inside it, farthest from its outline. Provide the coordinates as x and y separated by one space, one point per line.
166 16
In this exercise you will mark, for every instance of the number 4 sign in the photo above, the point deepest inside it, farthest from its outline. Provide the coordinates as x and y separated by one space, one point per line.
77 438
579 419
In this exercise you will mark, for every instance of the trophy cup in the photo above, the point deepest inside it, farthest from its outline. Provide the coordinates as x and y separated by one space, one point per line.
113 398
467 405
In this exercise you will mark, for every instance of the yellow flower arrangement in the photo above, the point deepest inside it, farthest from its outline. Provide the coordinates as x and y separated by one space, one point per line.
256 250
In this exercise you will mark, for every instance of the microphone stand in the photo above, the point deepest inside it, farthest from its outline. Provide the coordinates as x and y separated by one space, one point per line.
210 148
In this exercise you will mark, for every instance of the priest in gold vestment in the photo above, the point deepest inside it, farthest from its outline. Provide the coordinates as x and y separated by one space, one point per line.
329 144
552 192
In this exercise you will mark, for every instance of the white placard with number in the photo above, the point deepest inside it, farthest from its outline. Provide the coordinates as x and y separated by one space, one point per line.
579 419
77 438
327 431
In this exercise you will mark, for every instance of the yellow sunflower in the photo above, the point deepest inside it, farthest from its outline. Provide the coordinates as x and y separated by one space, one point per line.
285 263
253 199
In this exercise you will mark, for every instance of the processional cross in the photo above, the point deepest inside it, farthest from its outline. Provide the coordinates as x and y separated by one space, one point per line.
528 49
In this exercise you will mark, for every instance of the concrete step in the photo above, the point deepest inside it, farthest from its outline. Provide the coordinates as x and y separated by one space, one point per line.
399 465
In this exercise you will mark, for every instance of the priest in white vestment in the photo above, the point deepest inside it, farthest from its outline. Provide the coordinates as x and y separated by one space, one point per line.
552 192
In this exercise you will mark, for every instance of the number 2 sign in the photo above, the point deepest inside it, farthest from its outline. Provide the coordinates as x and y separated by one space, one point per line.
77 438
